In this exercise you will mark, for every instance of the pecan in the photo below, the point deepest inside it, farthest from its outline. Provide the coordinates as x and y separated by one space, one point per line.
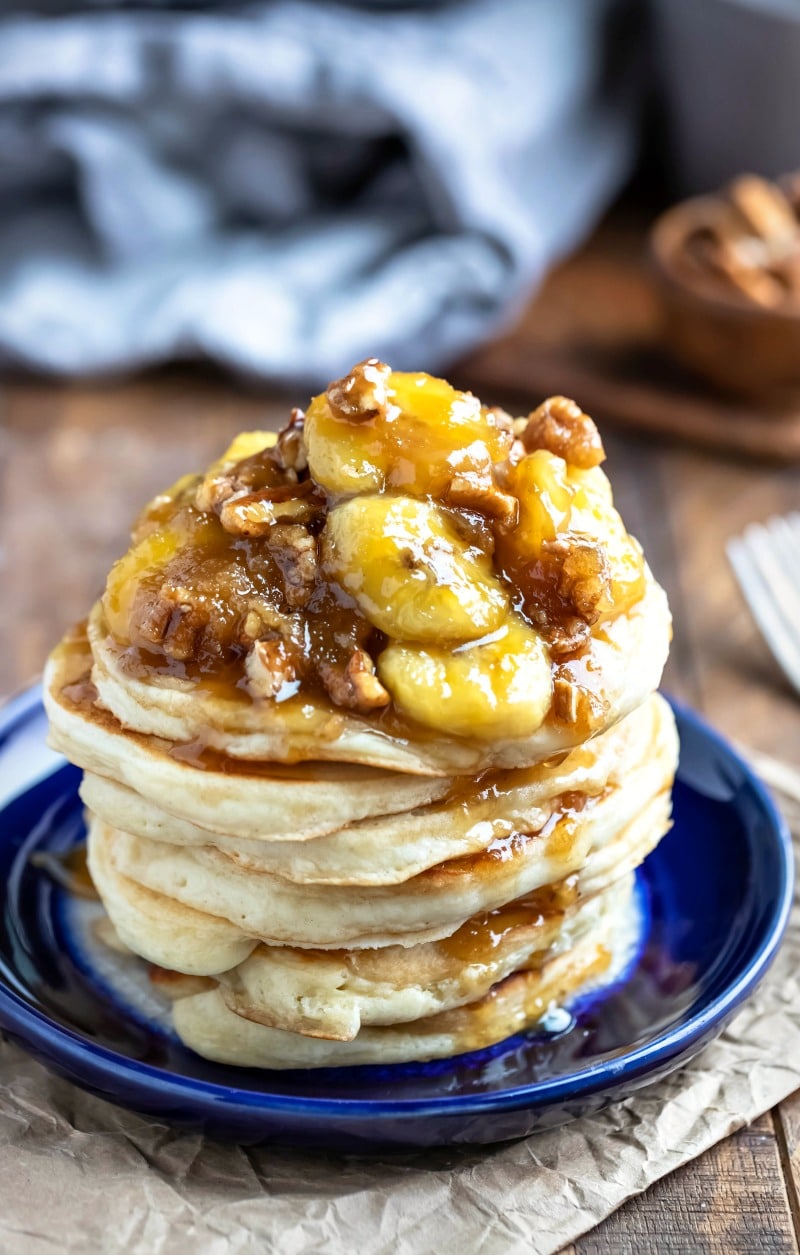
263 620
184 629
566 637
213 491
355 686
473 490
295 551
255 513
290 447
754 282
473 528
751 241
261 471
269 666
166 616
584 579
560 426
575 704
566 591
151 614
361 396
499 418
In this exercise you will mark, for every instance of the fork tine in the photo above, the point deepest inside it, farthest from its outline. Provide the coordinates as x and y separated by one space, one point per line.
774 558
787 539
781 636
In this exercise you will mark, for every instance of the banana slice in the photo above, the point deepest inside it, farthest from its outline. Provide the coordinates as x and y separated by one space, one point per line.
541 483
554 499
593 515
151 553
495 688
411 573
420 434
161 533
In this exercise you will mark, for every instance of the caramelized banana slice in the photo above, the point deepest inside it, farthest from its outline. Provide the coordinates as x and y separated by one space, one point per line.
557 500
151 554
378 429
409 570
500 687
542 485
593 515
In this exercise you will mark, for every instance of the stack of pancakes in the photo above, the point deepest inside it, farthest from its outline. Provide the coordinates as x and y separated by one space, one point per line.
316 887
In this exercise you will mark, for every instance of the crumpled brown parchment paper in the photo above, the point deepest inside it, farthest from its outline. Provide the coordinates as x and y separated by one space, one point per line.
79 1175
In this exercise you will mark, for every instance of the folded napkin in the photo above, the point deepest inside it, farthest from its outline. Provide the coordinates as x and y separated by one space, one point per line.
80 1176
288 187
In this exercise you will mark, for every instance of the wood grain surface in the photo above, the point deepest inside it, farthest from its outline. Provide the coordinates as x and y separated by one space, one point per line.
77 461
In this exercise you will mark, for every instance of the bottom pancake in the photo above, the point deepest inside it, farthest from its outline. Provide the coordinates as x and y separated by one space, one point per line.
207 1024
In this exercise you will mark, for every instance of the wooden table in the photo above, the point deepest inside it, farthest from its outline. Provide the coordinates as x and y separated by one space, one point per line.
77 461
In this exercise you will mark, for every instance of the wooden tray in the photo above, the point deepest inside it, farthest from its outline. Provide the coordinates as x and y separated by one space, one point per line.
592 332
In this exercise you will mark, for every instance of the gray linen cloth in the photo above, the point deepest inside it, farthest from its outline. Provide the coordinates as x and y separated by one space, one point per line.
285 188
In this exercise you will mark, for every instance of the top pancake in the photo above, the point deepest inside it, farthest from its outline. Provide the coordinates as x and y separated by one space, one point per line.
626 660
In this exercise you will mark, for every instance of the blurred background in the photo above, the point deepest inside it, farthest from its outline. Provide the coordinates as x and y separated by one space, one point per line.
283 188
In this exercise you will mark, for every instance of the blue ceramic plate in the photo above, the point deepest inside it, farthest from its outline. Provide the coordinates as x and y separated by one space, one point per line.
715 898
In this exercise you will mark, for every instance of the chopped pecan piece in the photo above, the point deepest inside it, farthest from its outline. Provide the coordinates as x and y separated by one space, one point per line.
474 529
727 259
152 614
290 447
361 395
269 666
181 637
501 419
567 590
213 491
472 490
355 686
167 616
561 427
575 704
263 620
257 472
584 575
255 513
295 551
271 470
567 636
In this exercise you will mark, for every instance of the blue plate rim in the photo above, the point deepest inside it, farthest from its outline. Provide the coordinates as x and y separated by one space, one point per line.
29 1024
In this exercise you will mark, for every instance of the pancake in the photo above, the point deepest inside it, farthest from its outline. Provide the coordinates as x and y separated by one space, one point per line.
208 1025
332 994
258 801
395 848
626 660
430 905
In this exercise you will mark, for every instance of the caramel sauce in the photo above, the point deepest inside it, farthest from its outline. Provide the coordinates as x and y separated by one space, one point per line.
483 935
82 696
499 1014
559 834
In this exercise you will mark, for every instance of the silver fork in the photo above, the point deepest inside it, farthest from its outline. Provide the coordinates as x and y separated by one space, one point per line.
766 563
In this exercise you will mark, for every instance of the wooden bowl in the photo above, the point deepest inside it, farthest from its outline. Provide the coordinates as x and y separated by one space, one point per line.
734 343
